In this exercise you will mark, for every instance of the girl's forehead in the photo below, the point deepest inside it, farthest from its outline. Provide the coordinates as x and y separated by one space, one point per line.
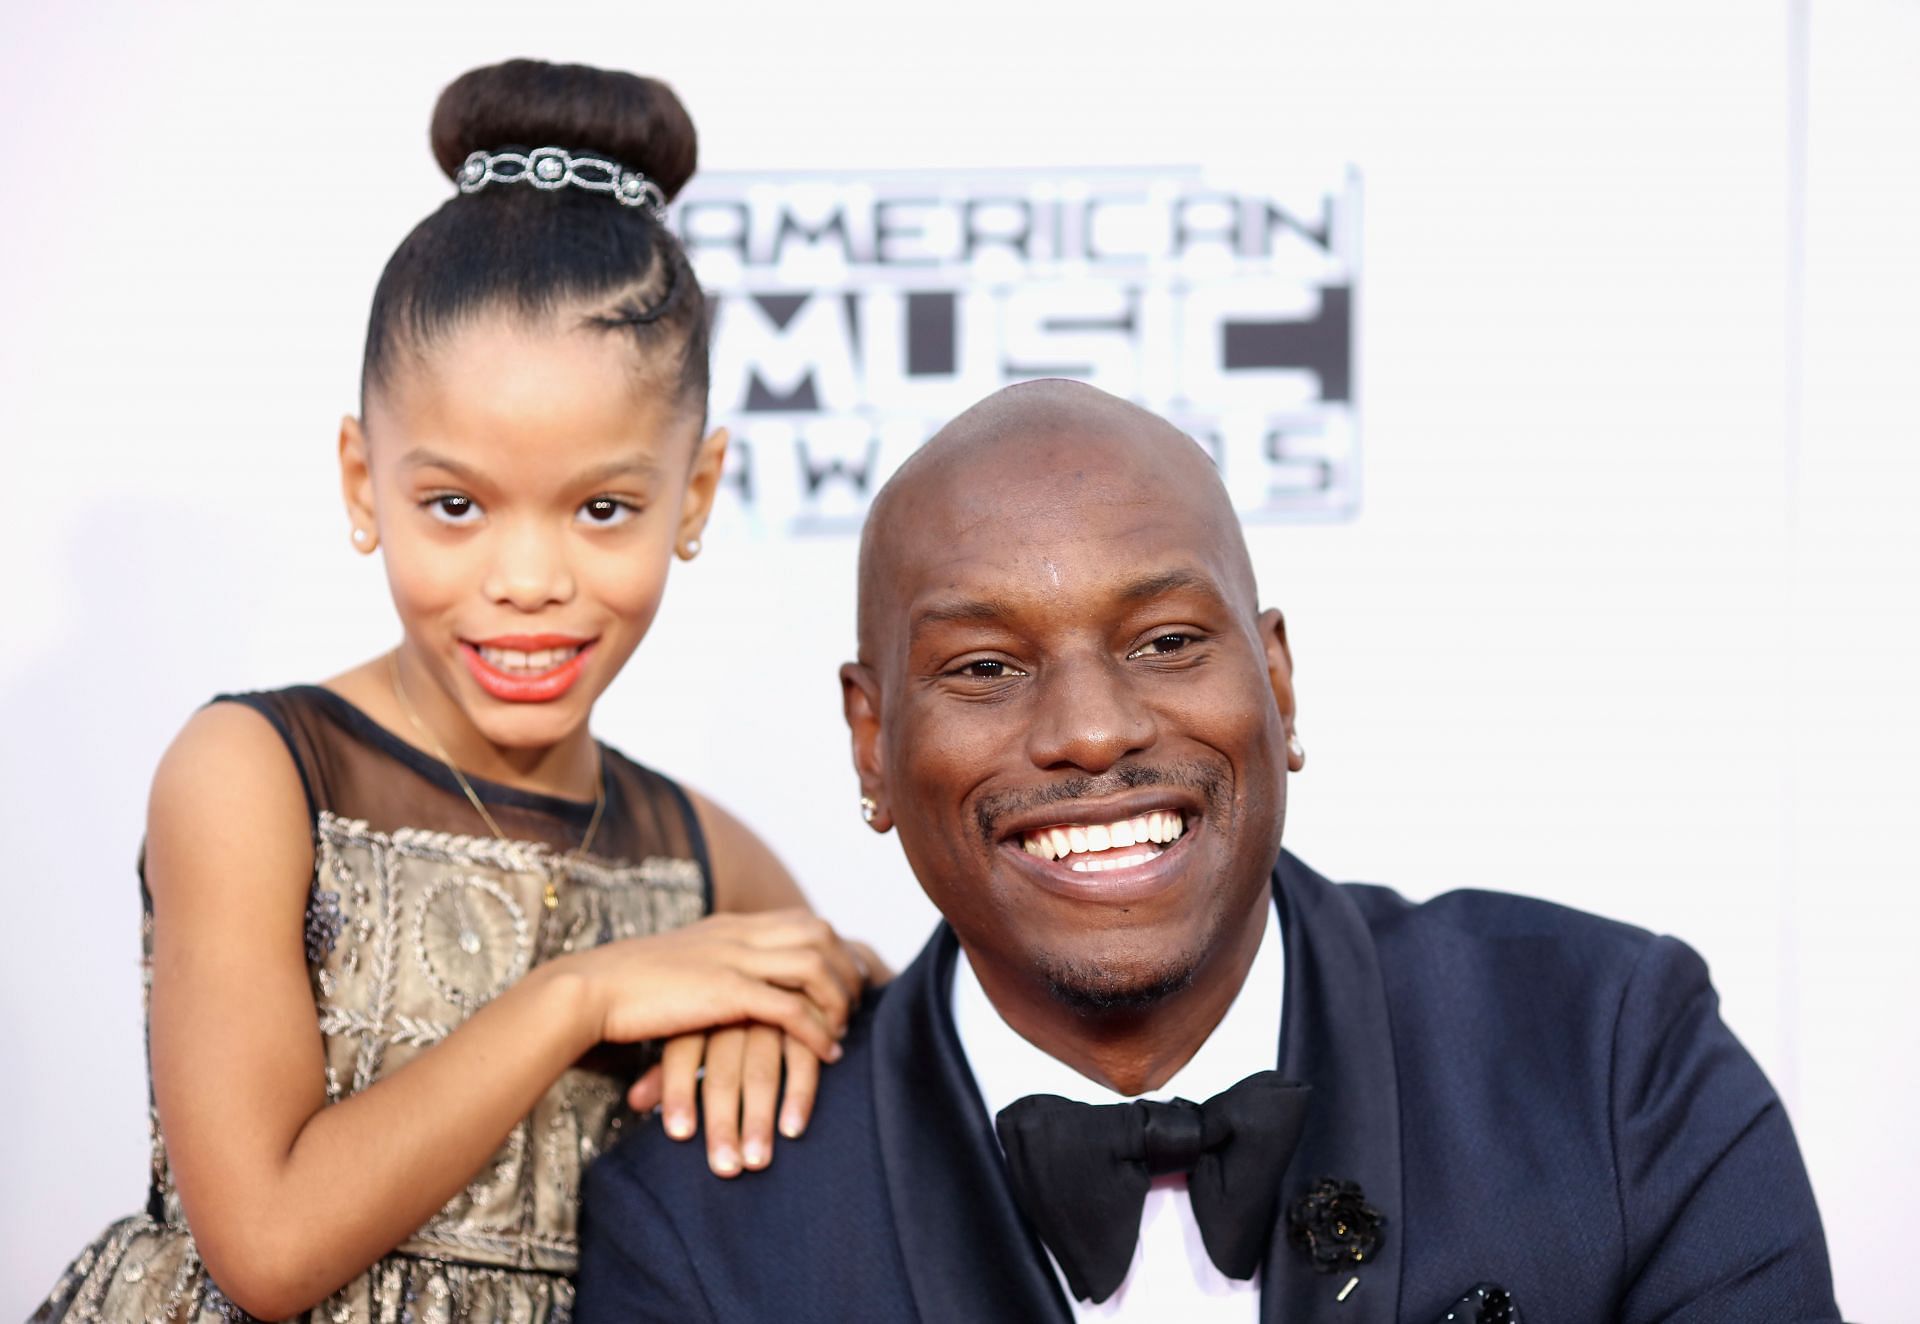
555 391
548 354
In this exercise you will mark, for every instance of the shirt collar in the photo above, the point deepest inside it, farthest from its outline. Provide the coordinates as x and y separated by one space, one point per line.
1007 1067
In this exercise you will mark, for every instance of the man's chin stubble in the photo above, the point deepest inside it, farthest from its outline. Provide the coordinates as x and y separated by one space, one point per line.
1094 990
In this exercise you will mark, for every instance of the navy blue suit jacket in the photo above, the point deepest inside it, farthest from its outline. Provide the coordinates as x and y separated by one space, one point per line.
1532 1096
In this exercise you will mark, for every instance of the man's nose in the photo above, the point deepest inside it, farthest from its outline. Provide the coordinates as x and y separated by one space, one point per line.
530 568
1088 716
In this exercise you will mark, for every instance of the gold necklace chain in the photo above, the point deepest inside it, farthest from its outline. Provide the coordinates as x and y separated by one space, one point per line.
551 896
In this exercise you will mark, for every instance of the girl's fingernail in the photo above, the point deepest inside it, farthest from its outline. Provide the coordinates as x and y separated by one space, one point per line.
790 1126
725 1160
835 1053
754 1155
679 1126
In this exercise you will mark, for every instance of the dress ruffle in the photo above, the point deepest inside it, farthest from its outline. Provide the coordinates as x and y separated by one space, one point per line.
140 1271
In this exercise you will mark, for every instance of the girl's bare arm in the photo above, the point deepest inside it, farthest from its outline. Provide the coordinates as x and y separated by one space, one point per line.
288 1198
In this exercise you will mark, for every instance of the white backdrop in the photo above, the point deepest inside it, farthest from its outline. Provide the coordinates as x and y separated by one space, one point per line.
1626 618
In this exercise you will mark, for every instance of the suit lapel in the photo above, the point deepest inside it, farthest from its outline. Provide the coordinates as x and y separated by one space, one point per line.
969 1254
1334 1035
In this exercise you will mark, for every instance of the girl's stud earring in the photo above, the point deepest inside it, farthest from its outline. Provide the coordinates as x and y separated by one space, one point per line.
689 549
361 538
869 809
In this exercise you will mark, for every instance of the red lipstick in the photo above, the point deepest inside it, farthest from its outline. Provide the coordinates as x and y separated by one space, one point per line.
519 686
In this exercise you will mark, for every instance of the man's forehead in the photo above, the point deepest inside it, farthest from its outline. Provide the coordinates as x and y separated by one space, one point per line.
1030 504
1050 485
1032 550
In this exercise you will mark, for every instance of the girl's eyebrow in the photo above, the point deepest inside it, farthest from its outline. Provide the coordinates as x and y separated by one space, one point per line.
639 466
420 457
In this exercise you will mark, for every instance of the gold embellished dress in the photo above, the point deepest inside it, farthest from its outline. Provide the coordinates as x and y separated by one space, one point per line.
413 922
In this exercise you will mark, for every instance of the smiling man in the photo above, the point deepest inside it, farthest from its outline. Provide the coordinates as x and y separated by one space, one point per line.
1151 1067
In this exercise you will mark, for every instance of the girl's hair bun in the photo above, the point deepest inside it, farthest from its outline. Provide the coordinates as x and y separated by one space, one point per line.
524 104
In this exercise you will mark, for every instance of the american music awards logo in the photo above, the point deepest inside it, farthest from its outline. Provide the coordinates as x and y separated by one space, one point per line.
856 313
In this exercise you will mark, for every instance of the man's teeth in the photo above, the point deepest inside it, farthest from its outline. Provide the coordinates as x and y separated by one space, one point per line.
1107 845
512 659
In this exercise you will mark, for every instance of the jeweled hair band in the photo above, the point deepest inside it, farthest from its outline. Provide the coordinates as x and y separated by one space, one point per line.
554 167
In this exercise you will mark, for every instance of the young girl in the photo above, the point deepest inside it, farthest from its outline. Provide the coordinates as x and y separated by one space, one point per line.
398 926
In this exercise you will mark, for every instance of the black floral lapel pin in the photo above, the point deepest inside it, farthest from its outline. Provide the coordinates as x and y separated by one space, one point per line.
1489 1303
1336 1227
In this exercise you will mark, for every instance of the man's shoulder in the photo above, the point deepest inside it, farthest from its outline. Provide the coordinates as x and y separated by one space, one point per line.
1475 970
1471 919
1577 1067
1479 914
1482 957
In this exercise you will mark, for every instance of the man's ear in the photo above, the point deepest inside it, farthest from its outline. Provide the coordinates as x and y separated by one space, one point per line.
860 701
356 484
1273 637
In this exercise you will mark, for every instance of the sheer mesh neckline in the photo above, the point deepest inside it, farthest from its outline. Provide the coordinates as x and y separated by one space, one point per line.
357 722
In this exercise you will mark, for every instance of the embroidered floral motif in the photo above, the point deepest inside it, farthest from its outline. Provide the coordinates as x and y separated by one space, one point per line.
471 939
324 923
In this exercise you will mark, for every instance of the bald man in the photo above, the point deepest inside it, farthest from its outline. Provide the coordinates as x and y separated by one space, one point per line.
1152 1067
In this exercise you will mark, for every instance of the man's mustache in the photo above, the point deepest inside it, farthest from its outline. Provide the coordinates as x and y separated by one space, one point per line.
1208 781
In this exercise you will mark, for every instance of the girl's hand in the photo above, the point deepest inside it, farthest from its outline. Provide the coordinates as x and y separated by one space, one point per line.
738 1090
741 1084
779 968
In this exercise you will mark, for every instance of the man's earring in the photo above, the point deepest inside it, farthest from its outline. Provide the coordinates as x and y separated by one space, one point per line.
689 549
1296 749
869 809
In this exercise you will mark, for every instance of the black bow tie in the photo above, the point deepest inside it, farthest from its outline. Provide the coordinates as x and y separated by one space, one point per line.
1080 1173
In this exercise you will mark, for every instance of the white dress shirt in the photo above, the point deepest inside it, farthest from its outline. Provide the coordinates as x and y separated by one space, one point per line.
1171 1277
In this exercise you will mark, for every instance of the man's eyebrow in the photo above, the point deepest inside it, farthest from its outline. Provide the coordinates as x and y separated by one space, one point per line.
960 610
973 611
1166 581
